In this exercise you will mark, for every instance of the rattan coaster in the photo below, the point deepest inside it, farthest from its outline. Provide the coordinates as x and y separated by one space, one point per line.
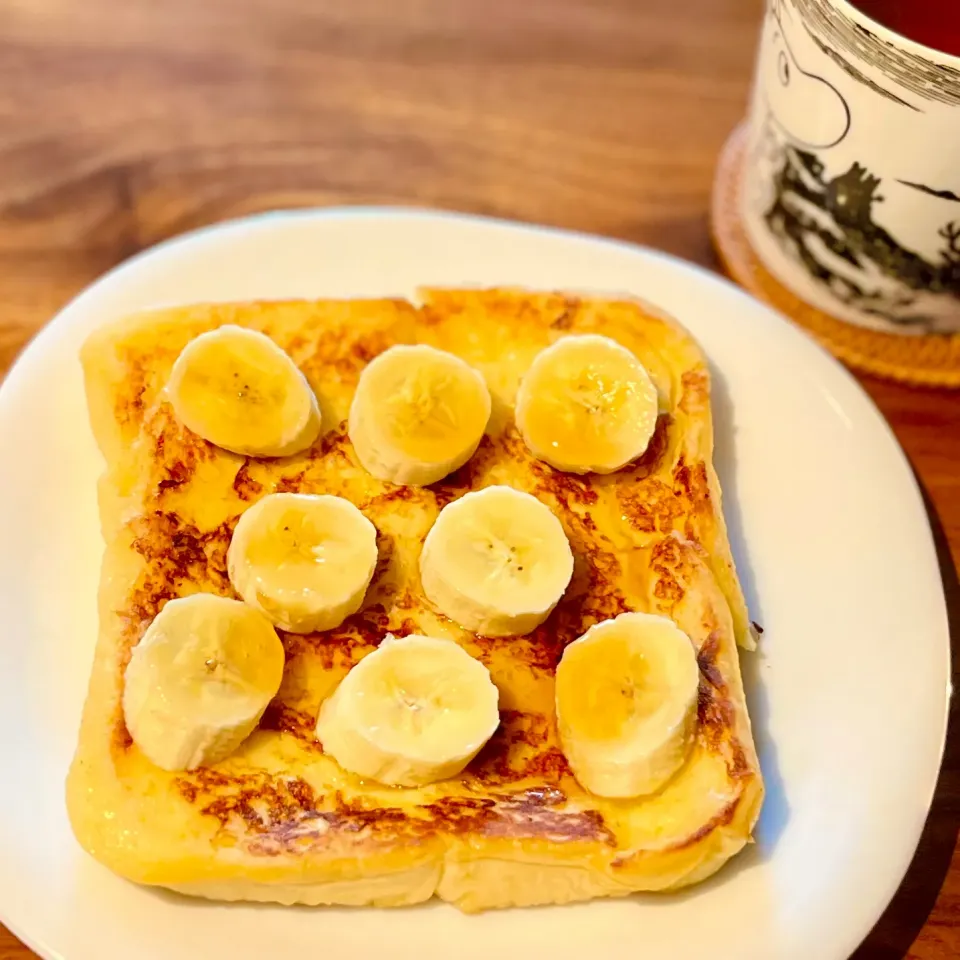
928 360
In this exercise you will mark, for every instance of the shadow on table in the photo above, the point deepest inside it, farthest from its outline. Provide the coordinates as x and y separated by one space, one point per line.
901 922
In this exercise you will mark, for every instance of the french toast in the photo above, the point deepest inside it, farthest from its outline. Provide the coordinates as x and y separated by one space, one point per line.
279 820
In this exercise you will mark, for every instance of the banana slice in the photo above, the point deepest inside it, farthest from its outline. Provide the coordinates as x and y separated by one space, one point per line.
304 560
239 390
418 414
414 711
586 405
496 561
627 704
199 680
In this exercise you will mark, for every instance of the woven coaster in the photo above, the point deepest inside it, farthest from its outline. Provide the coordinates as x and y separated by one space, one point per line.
932 361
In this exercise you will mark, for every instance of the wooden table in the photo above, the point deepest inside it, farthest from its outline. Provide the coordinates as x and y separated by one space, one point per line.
123 122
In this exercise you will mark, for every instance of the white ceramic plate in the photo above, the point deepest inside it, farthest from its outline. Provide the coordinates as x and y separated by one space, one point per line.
848 696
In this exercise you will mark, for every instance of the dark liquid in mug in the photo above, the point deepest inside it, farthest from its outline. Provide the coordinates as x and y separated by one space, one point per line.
934 23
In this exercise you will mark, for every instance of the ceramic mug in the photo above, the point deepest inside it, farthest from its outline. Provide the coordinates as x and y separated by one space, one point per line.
851 193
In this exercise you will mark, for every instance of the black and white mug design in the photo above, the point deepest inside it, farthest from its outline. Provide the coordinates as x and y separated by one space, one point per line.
852 178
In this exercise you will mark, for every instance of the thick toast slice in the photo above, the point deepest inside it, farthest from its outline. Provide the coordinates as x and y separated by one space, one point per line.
279 821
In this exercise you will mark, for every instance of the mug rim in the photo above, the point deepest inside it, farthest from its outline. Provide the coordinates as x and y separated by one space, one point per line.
891 35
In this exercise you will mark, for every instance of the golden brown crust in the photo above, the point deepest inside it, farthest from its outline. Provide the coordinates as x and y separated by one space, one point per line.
650 537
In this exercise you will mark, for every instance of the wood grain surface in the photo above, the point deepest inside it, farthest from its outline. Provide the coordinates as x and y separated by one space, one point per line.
123 122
